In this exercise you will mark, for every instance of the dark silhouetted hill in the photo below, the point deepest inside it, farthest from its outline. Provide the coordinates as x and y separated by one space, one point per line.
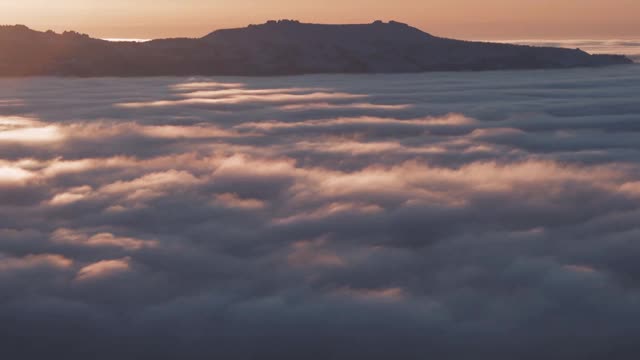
275 48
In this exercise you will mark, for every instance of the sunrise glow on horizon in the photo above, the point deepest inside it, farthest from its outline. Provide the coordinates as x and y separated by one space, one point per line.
491 19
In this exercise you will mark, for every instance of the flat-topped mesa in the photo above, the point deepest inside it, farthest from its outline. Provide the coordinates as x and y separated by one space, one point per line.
282 47
287 22
297 29
319 48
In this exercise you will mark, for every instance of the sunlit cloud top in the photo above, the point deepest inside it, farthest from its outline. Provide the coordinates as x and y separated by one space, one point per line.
489 215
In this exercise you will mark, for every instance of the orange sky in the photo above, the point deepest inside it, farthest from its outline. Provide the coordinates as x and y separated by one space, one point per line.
471 19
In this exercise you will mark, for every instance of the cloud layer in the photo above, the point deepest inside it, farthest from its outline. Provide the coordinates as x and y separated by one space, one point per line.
471 215
628 47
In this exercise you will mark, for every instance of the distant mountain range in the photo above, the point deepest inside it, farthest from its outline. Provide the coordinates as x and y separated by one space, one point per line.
275 48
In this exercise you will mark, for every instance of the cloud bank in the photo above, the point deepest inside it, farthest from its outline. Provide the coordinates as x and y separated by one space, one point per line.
628 47
455 216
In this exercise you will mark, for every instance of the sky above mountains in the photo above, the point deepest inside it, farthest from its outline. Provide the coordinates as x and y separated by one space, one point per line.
472 19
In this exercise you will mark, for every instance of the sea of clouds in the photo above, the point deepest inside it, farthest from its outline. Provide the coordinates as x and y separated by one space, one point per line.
484 215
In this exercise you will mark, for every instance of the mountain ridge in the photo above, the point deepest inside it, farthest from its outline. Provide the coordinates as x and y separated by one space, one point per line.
284 47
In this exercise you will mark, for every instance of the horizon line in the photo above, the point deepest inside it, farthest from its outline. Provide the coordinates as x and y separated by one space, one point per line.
498 38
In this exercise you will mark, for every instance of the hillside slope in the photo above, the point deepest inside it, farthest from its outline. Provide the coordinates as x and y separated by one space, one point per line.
275 48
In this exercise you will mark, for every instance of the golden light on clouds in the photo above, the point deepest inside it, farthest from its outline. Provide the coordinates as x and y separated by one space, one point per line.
407 209
459 18
23 130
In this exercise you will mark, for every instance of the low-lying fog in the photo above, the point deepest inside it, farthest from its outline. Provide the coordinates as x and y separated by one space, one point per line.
472 215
